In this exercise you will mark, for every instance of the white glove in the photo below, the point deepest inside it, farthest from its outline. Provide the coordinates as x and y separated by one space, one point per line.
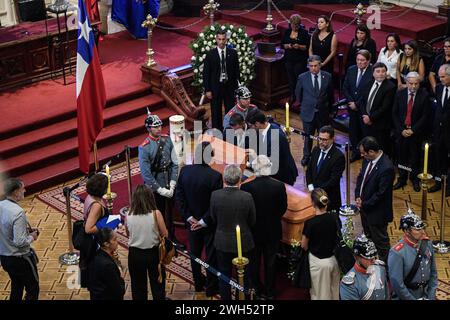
168 193
311 187
173 183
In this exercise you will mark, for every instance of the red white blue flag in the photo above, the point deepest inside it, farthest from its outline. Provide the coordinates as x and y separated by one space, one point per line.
91 96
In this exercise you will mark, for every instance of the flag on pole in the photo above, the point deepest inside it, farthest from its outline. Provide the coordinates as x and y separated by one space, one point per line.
131 13
92 10
91 96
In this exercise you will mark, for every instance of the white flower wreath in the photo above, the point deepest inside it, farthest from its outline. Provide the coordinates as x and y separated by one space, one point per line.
237 39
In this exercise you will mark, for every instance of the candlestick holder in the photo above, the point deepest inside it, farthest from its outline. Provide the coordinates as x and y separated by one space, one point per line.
109 197
240 264
288 131
424 182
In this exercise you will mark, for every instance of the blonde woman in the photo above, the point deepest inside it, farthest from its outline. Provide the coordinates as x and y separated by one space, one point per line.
320 238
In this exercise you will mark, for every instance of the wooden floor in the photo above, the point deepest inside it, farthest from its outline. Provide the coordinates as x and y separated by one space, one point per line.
56 281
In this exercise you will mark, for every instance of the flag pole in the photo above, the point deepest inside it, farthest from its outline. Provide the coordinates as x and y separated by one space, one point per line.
96 156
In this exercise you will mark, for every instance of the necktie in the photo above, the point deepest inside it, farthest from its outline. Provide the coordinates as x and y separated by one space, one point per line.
365 179
222 61
372 96
321 159
358 79
409 110
316 84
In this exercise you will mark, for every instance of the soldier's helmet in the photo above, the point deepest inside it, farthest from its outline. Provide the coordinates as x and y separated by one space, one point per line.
411 220
243 93
152 121
364 247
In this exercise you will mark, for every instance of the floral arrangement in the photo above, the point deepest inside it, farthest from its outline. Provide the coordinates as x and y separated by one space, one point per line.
238 39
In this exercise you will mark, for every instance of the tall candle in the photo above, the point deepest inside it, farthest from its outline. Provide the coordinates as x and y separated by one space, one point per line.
425 160
287 115
109 180
238 240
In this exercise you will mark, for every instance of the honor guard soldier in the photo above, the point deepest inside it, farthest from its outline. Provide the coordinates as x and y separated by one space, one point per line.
367 279
411 262
243 105
159 166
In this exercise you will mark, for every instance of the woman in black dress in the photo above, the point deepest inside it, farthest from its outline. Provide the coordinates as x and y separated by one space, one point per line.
295 43
361 41
409 61
324 43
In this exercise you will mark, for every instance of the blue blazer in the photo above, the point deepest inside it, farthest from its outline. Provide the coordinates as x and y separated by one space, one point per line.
309 100
351 92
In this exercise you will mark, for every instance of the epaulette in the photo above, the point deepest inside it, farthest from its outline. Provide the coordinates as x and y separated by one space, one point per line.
231 112
349 278
146 142
399 246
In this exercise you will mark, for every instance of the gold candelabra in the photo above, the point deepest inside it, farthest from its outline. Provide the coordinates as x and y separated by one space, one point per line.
240 264
269 19
210 9
149 23
359 12
109 197
425 179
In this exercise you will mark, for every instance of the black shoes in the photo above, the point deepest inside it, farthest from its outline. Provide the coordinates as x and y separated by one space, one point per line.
399 185
436 187
416 186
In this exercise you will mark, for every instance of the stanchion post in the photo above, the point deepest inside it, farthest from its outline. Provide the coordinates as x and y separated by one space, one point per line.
240 264
442 246
96 157
128 160
69 258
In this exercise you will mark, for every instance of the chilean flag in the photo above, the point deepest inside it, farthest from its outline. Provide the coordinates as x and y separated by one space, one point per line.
91 96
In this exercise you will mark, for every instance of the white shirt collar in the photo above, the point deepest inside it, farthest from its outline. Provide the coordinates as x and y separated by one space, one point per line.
225 51
326 151
374 162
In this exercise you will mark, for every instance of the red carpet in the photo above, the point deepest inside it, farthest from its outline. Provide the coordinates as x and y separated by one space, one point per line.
181 265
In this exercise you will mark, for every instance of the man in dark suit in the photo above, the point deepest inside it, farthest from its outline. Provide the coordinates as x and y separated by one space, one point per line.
410 114
195 185
376 107
238 133
270 200
357 79
441 127
373 194
314 91
272 142
325 168
231 207
220 78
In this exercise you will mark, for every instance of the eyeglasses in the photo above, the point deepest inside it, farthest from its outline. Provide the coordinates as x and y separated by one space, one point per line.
323 139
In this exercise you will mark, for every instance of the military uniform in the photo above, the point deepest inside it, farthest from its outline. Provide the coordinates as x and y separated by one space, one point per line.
239 110
158 175
401 260
362 284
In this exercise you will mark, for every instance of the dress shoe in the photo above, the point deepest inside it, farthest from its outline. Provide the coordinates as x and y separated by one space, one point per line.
398 185
304 162
436 187
416 186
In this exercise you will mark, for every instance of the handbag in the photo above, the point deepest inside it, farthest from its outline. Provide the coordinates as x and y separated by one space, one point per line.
166 249
342 253
78 234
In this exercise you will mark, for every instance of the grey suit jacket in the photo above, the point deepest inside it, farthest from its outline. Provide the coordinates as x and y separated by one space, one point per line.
310 100
231 207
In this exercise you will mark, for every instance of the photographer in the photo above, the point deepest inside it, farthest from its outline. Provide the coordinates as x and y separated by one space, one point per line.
16 255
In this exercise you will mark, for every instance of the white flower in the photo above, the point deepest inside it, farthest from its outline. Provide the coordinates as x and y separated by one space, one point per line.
223 27
193 58
200 80
207 48
209 43
200 68
246 59
201 35
204 56
195 70
205 42
200 59
246 35
195 45
231 26
237 47
240 30
212 28
234 35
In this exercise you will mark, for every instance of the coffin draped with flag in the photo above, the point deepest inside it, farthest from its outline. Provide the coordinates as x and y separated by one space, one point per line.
131 13
91 96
